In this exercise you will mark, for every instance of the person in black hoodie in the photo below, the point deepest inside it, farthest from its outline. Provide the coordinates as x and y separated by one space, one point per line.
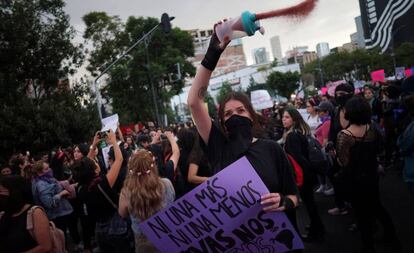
296 145
343 93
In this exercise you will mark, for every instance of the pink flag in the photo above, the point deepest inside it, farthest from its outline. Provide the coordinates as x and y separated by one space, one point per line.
408 72
378 76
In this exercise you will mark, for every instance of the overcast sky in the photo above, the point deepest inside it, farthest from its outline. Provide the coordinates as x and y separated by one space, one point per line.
332 21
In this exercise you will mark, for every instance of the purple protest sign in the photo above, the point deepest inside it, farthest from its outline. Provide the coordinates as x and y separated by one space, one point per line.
223 215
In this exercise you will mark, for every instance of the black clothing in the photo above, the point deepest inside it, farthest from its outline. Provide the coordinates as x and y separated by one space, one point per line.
183 186
266 157
358 157
14 236
97 205
296 145
335 127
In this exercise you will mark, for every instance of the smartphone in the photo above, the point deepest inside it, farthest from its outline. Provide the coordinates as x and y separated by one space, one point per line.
103 134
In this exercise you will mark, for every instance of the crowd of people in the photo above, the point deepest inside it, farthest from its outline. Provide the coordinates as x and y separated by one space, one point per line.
98 200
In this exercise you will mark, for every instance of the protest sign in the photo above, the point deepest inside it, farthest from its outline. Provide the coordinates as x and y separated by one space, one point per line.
399 73
261 99
110 122
223 214
378 76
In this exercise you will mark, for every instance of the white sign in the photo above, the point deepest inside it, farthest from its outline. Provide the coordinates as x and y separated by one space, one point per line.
110 122
261 99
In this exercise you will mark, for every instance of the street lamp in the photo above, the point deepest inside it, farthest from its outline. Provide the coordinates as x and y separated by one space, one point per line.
166 25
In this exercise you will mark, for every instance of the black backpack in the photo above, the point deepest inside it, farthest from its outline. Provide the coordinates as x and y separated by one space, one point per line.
317 157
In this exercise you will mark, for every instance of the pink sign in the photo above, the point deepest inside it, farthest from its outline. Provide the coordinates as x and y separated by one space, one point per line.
324 90
378 76
408 72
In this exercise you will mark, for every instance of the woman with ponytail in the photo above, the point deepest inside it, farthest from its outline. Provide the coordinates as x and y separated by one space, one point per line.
143 195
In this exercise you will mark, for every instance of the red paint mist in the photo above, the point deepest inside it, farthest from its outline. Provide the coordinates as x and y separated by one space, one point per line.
299 10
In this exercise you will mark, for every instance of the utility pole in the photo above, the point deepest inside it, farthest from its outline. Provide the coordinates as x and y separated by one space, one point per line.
153 91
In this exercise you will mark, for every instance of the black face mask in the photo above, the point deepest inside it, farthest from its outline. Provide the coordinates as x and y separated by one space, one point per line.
341 100
239 129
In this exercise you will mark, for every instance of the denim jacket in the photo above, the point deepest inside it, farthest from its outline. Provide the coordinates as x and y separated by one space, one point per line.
406 145
47 195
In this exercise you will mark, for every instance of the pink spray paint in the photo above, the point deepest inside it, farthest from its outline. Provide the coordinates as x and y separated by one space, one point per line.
300 10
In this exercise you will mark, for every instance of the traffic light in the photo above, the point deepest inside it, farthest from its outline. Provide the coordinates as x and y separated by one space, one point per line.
166 23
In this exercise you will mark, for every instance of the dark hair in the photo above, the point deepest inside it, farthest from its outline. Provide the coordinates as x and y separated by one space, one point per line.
186 138
20 191
14 162
298 122
241 97
409 104
358 111
85 169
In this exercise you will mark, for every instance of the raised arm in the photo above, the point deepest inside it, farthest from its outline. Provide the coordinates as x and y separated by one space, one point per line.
113 172
198 89
175 150
92 148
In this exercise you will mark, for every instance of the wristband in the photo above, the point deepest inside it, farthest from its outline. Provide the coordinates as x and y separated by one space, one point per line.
286 202
213 54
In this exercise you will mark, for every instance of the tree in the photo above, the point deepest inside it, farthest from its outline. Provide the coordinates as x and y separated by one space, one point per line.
212 110
224 90
359 64
284 83
39 108
404 55
129 84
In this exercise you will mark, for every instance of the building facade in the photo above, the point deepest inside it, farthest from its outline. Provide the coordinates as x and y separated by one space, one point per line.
387 23
233 57
322 49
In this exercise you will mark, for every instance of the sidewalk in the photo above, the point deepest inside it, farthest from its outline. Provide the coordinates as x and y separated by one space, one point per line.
396 198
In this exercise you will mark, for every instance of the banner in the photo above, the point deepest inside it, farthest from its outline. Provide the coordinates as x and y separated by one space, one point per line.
261 99
223 214
378 76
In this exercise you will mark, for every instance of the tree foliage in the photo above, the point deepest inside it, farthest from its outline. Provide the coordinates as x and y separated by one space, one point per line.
224 90
39 110
283 83
359 64
129 81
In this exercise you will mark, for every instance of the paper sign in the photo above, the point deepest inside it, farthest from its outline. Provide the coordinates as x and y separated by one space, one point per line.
399 73
105 154
378 76
261 99
110 122
223 214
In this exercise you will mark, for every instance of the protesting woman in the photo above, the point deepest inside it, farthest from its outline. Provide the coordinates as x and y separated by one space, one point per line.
296 145
357 149
234 136
15 203
97 192
144 194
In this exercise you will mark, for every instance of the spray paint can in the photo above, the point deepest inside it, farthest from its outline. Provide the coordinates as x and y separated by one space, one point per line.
238 27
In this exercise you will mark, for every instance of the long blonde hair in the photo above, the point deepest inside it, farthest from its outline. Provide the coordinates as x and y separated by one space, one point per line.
143 187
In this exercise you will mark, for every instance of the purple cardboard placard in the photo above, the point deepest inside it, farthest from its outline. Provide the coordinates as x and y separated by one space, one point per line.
223 215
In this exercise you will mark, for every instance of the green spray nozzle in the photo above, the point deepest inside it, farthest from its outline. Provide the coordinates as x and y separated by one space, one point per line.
249 23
